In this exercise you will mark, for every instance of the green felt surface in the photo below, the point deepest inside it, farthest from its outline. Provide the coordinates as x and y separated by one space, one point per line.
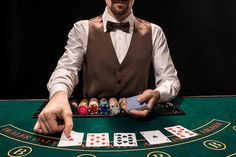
214 119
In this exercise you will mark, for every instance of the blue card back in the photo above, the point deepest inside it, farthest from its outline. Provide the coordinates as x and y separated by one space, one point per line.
132 103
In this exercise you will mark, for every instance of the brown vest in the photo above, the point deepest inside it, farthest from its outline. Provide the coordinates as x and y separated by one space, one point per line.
103 75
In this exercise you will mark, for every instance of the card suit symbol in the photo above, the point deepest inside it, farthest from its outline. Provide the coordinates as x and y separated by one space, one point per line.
97 141
129 135
91 143
124 136
97 137
103 139
125 141
103 143
131 143
92 139
119 135
119 138
119 142
154 136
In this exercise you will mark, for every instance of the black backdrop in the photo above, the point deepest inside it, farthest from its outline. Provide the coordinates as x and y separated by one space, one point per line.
201 35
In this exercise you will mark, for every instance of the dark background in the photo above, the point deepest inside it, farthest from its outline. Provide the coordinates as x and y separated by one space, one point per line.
201 35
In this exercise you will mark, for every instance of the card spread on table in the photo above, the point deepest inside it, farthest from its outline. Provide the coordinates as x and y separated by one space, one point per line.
155 137
181 131
75 139
97 140
125 139
132 103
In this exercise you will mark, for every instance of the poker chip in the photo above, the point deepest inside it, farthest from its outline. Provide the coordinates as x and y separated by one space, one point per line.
114 106
73 106
82 108
93 106
103 106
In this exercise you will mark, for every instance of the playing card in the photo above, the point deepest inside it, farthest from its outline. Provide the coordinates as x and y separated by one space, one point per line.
181 131
97 140
132 103
155 137
125 139
76 139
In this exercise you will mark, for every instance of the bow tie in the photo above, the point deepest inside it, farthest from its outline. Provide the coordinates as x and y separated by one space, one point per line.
113 26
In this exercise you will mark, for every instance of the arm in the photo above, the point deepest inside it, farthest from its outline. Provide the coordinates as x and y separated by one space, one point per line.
62 83
166 80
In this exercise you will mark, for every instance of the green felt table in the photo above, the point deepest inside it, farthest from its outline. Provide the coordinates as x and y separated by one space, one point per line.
212 118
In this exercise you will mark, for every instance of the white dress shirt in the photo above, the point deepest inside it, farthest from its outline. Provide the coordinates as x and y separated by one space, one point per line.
65 76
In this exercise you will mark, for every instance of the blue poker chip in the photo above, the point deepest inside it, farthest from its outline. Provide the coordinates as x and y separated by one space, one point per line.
104 108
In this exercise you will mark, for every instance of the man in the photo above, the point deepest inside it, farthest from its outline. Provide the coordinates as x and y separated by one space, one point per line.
115 62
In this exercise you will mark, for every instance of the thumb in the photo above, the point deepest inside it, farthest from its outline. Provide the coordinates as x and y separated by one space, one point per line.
67 116
143 97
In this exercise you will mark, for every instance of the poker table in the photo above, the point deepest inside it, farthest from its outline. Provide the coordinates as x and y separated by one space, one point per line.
212 118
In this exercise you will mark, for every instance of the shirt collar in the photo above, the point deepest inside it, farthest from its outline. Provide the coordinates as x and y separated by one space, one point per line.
107 17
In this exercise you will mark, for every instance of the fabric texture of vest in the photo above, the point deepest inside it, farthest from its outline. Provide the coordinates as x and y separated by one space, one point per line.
103 75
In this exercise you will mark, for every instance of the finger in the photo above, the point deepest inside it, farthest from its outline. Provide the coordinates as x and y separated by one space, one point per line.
53 124
41 123
139 113
47 125
151 103
123 104
37 128
67 116
144 97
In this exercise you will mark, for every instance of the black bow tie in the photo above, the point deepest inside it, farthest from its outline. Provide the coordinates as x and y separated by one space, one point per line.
122 26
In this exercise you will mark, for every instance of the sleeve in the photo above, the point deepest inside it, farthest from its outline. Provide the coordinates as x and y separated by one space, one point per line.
166 80
65 76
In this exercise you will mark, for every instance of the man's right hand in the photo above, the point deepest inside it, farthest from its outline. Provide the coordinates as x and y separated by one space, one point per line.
57 107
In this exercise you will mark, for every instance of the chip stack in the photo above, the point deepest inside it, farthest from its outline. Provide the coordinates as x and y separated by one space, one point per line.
114 106
82 108
122 102
73 106
93 106
103 106
157 108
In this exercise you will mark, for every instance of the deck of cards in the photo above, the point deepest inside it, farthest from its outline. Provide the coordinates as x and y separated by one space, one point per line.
132 103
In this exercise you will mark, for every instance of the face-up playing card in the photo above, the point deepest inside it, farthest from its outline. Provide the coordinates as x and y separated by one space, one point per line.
97 140
125 139
132 103
155 137
76 139
181 131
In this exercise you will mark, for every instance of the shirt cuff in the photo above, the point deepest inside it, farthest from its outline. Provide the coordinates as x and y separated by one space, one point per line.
164 94
56 88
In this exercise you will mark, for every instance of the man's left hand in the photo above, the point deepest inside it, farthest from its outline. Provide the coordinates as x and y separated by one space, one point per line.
149 96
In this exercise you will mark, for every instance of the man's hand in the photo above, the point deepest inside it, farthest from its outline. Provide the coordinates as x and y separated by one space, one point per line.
57 107
149 96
